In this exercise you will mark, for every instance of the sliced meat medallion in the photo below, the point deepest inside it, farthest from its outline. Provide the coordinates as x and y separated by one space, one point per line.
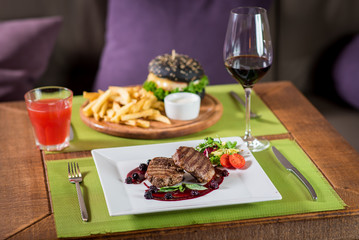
162 172
195 163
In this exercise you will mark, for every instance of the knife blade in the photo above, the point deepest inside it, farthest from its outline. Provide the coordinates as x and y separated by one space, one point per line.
240 100
284 161
71 133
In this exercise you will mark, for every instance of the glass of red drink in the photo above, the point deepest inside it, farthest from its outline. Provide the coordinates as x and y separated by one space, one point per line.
49 109
248 56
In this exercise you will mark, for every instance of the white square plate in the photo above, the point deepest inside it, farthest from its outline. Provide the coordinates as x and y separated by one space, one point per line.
246 185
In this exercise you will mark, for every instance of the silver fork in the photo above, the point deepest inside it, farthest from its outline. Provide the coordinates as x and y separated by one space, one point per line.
76 177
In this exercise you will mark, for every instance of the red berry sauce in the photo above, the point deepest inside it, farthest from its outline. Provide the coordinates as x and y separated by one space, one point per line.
188 193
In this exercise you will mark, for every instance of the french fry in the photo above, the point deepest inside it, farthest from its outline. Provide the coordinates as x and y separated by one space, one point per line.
96 116
123 96
88 109
121 111
159 105
107 118
137 115
90 95
149 102
110 113
103 109
116 107
96 107
137 107
130 122
134 91
160 118
142 123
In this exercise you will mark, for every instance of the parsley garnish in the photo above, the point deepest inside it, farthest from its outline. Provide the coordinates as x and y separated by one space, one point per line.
182 187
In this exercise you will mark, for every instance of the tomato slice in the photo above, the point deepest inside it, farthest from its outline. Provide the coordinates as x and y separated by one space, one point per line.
236 160
225 161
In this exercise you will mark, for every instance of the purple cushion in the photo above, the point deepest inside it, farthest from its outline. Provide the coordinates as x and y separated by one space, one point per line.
138 31
26 46
346 73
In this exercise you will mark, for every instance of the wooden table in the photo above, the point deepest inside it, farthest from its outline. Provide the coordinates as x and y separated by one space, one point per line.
26 211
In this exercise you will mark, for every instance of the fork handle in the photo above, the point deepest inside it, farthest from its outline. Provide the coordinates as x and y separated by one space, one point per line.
82 204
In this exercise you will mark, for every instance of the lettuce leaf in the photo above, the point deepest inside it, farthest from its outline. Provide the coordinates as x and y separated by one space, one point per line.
193 87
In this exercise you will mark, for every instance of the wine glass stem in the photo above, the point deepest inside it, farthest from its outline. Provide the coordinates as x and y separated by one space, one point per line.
248 134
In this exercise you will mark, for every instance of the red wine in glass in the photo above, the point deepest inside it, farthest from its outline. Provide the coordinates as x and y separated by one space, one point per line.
247 69
248 55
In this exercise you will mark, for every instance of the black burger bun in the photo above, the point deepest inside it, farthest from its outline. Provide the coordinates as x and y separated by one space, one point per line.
176 67
171 73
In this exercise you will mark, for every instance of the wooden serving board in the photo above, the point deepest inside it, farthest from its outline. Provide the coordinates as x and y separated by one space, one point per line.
210 112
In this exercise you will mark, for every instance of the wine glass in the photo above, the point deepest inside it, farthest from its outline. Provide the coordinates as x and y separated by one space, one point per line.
248 55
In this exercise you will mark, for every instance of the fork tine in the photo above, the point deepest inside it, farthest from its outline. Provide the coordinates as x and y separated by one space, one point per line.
73 167
68 170
75 170
78 170
72 170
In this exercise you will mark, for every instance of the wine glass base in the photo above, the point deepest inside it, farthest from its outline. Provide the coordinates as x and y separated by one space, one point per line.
255 145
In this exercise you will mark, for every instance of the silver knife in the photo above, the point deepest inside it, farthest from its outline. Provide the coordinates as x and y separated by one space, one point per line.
240 100
71 133
292 169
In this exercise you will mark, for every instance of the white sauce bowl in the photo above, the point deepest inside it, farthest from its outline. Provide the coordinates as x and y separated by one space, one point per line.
182 106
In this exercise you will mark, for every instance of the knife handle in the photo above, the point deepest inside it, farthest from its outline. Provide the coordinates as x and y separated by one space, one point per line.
305 182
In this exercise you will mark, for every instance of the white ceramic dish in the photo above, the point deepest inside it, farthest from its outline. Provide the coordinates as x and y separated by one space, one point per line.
247 185
182 106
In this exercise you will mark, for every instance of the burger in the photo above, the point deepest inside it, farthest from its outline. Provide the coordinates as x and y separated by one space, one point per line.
171 73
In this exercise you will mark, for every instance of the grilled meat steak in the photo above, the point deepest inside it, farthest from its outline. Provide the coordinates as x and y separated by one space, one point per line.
163 172
195 163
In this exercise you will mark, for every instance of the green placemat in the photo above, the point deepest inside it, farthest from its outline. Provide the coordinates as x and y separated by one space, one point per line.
231 124
296 198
